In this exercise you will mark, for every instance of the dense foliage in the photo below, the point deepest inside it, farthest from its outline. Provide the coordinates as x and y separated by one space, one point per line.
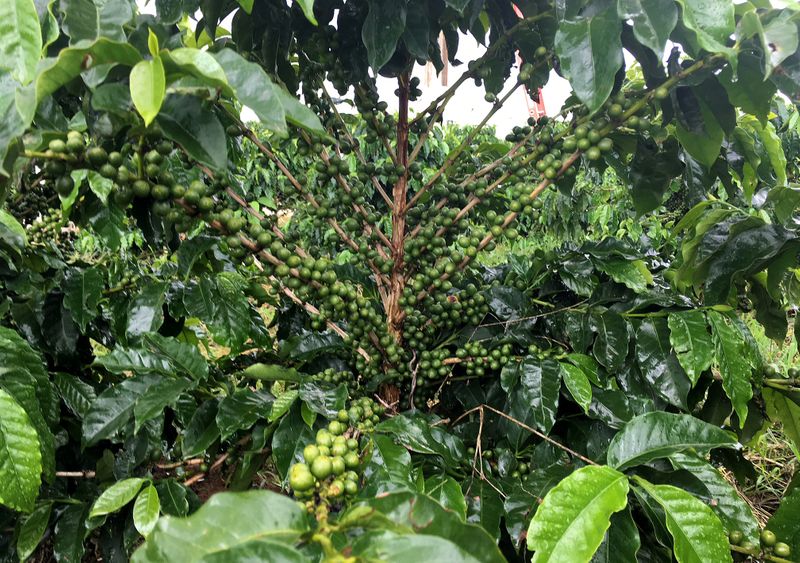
443 345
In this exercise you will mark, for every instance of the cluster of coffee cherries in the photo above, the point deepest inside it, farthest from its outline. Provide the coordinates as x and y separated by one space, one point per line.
769 544
542 352
330 467
47 228
478 359
335 377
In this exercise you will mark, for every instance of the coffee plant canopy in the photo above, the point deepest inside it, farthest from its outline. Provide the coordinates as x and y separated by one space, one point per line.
311 338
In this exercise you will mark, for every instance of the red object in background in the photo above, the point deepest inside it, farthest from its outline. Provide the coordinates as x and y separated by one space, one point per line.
535 102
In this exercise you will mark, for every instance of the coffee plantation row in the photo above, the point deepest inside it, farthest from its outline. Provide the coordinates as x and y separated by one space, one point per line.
316 337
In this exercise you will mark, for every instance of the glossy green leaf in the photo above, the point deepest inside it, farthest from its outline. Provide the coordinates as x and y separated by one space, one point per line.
388 467
704 145
418 515
782 409
523 499
188 122
659 366
697 532
116 496
446 491
83 291
691 340
712 22
113 408
784 522
589 49
283 403
90 19
172 497
208 531
152 402
632 273
655 435
732 509
383 26
24 378
76 394
729 348
577 384
20 39
533 388
197 63
69 533
653 21
291 436
621 542
202 430
243 409
146 510
31 530
611 345
69 64
308 9
324 399
20 456
780 40
182 357
417 434
573 517
148 87
272 372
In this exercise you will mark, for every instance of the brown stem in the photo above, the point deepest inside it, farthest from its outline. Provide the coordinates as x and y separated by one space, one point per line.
399 193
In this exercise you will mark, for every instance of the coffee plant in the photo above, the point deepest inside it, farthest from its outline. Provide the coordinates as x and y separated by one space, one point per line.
236 341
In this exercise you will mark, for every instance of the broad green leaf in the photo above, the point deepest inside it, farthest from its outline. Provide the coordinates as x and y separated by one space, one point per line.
83 291
784 522
69 533
782 409
523 500
388 467
653 21
283 403
20 39
418 515
577 384
113 408
116 496
589 49
573 517
729 348
632 273
121 360
697 532
208 531
734 512
324 399
11 231
198 63
416 432
253 88
389 546
712 21
145 311
621 542
750 91
611 345
23 376
258 550
691 340
779 40
298 114
183 357
703 146
202 430
291 436
308 9
659 366
152 402
243 409
272 372
533 388
446 491
655 435
188 122
148 87
20 456
76 394
172 497
32 529
90 19
146 510
383 27
56 72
